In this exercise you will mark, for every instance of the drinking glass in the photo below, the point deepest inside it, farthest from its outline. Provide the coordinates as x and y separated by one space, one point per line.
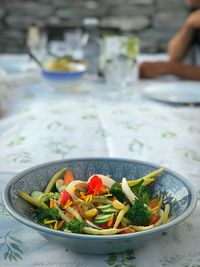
119 60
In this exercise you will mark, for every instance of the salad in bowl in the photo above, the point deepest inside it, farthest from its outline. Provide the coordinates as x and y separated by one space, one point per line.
98 206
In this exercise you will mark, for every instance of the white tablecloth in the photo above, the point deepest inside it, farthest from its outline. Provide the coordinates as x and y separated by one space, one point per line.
40 123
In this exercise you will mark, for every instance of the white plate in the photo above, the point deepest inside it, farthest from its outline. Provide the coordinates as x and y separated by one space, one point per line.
177 92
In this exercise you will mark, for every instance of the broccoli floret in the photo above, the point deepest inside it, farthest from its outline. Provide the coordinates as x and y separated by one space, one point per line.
139 214
46 214
75 226
142 192
116 190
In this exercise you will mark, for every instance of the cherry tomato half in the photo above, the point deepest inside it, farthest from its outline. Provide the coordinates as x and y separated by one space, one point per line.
154 219
64 196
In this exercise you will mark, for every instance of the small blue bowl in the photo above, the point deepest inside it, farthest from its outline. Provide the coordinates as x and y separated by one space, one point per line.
65 75
175 189
64 81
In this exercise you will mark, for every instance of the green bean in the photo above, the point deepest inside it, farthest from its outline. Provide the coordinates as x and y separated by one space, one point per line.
138 228
147 178
152 174
32 201
120 216
92 231
54 179
148 181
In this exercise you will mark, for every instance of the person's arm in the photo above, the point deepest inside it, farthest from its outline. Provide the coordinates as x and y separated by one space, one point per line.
179 45
184 71
193 3
155 69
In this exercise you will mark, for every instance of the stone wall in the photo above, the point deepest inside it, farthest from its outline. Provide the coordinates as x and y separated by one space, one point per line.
154 21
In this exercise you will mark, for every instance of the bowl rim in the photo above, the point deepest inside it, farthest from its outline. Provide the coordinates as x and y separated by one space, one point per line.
46 230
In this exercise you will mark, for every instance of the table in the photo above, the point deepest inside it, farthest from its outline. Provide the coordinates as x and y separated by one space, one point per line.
40 124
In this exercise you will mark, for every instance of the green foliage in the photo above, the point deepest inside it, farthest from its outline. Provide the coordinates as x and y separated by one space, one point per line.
46 214
139 214
75 226
124 259
192 155
61 148
112 258
89 117
128 255
136 146
17 141
3 210
198 196
116 190
10 245
20 157
168 135
142 192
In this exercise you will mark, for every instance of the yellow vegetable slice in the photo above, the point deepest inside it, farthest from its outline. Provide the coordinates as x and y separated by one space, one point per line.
91 213
60 185
118 205
49 221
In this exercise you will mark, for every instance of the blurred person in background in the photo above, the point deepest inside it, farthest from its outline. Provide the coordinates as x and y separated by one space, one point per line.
188 37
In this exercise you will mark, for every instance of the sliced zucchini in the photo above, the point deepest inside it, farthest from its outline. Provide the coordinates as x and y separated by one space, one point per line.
102 207
101 218
109 210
